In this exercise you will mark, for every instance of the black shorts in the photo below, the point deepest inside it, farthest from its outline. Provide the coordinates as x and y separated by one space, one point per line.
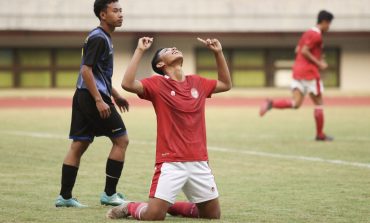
86 122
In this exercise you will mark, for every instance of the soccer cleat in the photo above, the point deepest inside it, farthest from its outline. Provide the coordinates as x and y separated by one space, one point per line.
324 138
72 202
120 211
265 107
114 200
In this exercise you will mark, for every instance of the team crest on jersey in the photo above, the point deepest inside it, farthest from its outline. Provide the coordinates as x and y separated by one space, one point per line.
194 93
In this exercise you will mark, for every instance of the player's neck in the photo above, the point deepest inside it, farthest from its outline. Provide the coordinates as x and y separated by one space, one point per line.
176 73
107 28
319 27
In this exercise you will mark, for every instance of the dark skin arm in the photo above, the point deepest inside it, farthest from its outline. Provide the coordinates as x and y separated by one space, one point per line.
122 103
308 55
129 82
88 77
224 79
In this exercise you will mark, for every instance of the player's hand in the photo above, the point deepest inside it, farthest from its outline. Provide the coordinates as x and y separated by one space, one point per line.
103 109
144 43
212 44
122 104
323 65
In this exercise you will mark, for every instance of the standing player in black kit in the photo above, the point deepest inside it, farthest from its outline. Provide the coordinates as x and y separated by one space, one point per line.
93 112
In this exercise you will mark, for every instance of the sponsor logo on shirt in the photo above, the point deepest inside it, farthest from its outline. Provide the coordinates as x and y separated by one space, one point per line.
194 93
115 130
165 154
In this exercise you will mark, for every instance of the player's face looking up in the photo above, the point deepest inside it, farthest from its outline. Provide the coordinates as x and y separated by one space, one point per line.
170 55
112 15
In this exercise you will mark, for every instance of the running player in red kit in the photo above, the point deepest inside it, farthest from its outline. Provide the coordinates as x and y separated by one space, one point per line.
306 76
181 151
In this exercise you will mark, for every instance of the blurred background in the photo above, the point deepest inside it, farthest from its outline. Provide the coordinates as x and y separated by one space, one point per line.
41 40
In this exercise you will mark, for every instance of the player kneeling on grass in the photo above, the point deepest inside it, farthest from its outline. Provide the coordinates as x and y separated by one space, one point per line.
181 153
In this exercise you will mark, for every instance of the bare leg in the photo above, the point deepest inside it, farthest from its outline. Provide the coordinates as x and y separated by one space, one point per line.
154 210
316 99
297 98
295 102
75 153
209 209
119 148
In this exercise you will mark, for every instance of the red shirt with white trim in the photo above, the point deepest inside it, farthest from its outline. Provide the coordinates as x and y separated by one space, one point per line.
304 68
180 110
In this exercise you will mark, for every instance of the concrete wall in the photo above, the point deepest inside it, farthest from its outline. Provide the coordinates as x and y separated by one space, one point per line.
356 70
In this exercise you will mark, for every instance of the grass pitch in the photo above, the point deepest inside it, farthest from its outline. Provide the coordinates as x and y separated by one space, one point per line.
267 170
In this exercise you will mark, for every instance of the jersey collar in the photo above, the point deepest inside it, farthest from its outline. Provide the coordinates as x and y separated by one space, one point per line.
316 29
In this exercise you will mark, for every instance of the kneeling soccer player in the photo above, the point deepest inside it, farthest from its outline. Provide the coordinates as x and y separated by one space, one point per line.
181 151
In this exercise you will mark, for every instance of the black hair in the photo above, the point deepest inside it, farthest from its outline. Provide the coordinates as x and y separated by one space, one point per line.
324 16
155 61
101 5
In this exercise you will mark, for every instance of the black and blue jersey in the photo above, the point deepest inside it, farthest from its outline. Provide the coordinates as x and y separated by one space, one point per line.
98 53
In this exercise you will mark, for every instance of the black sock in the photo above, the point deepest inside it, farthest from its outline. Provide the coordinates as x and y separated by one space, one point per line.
69 174
113 173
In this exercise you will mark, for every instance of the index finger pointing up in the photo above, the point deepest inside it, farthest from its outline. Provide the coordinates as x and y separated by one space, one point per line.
201 40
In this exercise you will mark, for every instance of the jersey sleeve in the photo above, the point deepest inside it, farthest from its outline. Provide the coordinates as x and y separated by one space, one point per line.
208 85
94 48
150 87
312 40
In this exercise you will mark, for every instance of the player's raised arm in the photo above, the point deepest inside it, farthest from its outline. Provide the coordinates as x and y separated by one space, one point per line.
129 82
224 80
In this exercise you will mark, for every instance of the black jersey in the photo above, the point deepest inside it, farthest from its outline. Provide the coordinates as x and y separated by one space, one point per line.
98 53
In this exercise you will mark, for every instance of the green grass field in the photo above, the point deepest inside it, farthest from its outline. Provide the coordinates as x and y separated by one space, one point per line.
262 166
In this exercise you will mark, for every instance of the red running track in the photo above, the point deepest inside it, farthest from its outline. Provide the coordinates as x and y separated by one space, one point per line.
223 102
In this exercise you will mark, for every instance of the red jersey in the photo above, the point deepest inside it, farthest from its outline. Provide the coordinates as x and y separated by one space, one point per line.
180 107
304 68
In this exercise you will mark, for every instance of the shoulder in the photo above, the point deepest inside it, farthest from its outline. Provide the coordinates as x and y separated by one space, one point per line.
193 77
154 78
96 35
313 32
196 78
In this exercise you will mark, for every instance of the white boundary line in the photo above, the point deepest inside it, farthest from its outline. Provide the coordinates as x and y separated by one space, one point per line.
292 157
218 149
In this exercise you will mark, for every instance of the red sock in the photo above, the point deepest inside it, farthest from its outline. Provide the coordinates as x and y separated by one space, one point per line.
184 209
135 209
283 103
319 118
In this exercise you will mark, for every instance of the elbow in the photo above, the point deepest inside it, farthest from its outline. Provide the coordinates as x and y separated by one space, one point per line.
84 71
229 83
228 86
305 51
125 86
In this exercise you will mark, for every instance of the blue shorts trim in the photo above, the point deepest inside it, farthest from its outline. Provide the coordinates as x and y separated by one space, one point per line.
82 138
119 134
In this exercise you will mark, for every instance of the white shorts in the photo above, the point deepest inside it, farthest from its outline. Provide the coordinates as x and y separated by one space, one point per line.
314 86
194 178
